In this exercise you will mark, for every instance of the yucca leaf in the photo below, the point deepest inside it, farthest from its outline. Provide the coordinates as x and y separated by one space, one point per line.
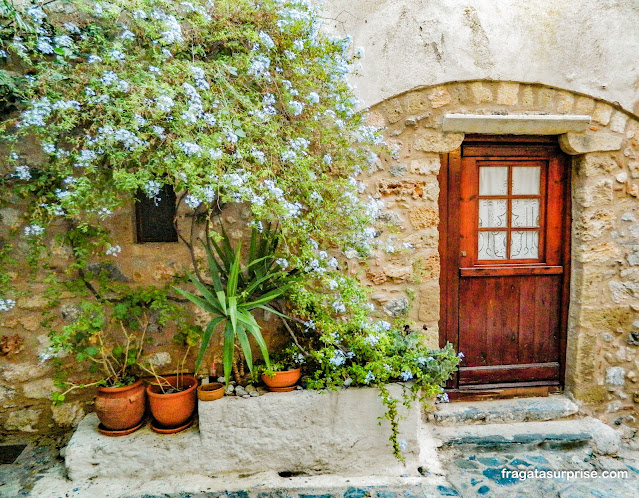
198 301
214 270
266 298
231 285
215 301
246 347
229 347
232 309
256 332
273 310
206 338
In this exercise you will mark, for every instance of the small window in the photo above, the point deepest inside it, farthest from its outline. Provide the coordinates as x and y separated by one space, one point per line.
154 217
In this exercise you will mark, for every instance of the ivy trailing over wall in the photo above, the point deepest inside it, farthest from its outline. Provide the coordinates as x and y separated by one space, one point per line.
232 102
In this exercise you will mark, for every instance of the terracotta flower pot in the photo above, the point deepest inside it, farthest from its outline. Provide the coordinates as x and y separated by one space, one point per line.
175 409
210 392
120 408
283 379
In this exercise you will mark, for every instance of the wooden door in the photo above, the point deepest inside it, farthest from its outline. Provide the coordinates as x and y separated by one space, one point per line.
504 246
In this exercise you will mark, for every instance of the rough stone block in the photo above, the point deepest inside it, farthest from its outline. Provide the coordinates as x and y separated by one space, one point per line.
431 140
303 430
508 93
401 188
599 194
416 102
596 164
527 97
38 389
23 420
481 93
592 224
68 414
584 105
615 376
618 122
397 307
582 143
602 113
565 103
439 97
423 217
393 110
425 166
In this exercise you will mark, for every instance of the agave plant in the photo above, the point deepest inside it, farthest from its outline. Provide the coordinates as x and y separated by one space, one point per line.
236 291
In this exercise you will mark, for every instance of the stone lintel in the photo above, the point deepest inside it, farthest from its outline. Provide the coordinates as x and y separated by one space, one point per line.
515 124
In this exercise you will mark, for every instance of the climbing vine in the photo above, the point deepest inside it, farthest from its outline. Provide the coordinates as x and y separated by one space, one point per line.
233 102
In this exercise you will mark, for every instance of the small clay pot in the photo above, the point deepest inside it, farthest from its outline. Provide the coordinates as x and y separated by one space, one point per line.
120 408
210 392
286 378
174 409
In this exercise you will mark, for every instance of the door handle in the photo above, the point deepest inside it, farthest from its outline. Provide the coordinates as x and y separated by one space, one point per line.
463 254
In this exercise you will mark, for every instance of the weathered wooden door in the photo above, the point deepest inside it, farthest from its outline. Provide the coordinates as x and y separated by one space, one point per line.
504 245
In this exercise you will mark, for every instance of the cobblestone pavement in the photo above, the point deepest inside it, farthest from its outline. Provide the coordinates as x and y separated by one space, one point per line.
470 472
482 472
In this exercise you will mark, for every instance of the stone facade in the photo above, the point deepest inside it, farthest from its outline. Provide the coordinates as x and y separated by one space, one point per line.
602 367
602 363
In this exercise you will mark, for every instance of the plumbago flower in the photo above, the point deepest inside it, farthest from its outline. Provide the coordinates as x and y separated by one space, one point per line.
227 102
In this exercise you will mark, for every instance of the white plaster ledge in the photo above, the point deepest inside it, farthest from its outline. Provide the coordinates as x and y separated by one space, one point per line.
301 431
515 124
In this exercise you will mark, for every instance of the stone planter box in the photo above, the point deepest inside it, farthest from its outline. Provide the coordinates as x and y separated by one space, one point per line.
302 432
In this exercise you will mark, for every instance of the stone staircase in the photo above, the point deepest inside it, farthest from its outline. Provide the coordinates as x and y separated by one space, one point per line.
547 422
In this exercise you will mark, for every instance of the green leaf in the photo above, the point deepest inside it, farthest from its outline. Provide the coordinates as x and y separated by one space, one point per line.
246 347
228 349
202 303
206 338
91 350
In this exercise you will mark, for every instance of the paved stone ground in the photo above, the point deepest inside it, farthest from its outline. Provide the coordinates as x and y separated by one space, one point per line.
478 472
471 472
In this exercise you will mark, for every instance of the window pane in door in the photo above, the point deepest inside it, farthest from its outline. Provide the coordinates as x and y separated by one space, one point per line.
492 245
493 180
526 180
524 245
493 213
525 213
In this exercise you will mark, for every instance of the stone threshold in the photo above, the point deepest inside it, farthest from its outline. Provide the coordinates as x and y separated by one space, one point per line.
505 411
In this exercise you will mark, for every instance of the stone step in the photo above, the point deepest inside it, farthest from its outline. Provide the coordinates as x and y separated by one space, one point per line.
556 433
505 411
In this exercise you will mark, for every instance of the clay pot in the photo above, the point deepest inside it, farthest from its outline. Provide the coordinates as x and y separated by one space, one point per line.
283 379
120 408
174 409
210 392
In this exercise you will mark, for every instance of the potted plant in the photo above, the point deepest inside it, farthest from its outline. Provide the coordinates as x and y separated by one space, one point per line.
112 347
282 376
235 292
281 379
172 397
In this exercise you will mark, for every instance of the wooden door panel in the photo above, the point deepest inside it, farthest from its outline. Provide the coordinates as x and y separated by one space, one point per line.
509 320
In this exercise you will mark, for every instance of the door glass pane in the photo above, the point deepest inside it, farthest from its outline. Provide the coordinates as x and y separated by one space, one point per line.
526 180
524 245
493 180
525 213
492 245
492 213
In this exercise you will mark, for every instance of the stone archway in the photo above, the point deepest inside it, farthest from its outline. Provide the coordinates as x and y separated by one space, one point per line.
604 299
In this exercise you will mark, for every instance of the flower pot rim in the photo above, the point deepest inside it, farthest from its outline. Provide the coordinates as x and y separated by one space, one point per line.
275 372
119 389
186 378
209 387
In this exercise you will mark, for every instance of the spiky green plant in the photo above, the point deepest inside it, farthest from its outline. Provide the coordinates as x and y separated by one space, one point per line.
236 291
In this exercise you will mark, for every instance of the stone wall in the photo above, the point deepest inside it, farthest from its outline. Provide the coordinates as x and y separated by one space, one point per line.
602 362
403 273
